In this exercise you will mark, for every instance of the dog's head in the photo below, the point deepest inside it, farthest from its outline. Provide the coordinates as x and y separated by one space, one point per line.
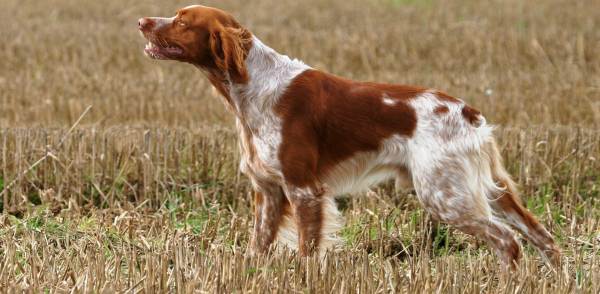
204 36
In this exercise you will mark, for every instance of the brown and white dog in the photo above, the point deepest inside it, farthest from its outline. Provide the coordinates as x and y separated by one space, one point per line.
307 136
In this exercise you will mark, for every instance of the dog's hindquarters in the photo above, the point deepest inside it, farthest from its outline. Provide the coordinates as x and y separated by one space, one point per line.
453 187
472 191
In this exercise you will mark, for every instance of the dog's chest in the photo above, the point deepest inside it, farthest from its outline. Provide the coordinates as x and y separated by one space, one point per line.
260 139
267 141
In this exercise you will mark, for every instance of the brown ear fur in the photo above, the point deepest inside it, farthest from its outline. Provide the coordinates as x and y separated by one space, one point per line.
230 47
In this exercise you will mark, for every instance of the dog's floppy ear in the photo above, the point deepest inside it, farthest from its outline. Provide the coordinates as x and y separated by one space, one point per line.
229 47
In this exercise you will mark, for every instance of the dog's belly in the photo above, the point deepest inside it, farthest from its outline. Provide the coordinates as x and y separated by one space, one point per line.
364 170
346 181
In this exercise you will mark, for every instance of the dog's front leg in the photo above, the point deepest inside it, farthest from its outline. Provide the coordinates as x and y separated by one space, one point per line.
307 206
270 207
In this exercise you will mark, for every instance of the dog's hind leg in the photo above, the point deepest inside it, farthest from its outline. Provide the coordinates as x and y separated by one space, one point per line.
506 204
452 190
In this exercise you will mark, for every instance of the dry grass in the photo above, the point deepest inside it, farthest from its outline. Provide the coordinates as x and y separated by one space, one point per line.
145 194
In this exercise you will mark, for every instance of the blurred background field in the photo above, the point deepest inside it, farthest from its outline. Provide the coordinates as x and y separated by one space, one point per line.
144 194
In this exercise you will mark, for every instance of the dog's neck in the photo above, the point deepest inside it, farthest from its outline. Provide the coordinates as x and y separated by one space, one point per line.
269 74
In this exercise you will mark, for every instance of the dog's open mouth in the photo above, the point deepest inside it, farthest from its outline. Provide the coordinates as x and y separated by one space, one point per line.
162 51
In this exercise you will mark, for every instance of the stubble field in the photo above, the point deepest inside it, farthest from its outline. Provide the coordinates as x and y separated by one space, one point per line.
141 192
